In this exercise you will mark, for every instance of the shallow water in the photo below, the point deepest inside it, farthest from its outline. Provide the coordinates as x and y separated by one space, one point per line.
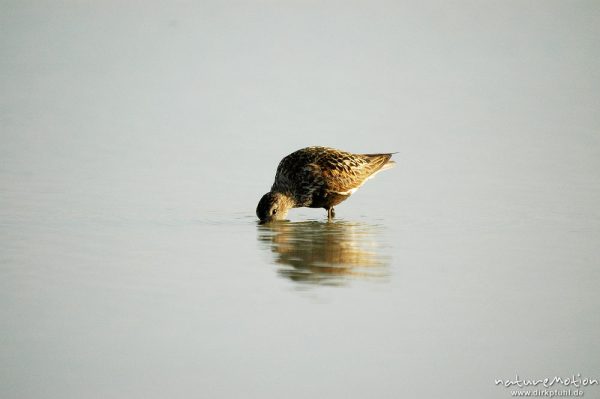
322 253
136 144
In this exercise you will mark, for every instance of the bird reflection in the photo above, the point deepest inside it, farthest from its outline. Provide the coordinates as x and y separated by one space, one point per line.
325 253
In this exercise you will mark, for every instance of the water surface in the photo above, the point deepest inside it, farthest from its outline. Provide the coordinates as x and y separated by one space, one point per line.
137 141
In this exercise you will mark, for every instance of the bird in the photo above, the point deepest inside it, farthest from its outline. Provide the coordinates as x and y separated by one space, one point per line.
318 177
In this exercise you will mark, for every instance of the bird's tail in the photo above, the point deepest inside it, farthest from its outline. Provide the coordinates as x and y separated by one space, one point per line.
380 162
388 165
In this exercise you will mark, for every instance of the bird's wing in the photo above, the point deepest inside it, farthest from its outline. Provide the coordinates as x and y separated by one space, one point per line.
298 175
310 180
344 173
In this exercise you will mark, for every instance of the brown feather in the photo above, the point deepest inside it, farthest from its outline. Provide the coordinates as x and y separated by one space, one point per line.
323 177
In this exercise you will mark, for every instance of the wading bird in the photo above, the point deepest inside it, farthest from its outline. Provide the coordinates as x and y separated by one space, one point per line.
318 177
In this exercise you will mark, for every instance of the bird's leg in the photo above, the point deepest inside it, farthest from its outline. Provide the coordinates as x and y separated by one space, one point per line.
330 213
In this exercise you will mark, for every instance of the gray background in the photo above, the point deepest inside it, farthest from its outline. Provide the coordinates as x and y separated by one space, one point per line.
136 140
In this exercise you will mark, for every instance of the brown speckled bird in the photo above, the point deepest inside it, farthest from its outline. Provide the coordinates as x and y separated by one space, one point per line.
318 177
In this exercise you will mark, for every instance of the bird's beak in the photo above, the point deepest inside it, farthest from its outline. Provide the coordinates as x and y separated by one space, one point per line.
266 220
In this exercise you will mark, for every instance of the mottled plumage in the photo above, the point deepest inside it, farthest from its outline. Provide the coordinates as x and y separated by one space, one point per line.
318 177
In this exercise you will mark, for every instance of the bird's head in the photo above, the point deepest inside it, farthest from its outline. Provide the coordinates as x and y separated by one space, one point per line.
273 206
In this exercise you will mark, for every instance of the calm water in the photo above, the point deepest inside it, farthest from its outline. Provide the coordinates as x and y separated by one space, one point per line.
136 142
